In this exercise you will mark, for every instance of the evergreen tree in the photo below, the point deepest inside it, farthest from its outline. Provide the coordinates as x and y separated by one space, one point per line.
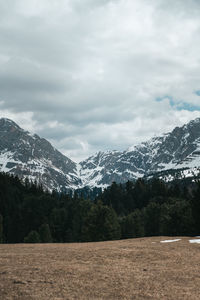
101 224
81 211
176 217
32 237
58 224
1 229
158 188
195 204
113 197
45 234
132 225
152 218
141 193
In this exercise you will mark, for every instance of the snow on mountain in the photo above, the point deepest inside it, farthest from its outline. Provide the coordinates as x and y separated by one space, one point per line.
27 155
178 150
100 170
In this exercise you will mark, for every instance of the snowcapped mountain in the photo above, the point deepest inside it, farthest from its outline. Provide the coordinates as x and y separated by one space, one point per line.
105 167
177 150
30 156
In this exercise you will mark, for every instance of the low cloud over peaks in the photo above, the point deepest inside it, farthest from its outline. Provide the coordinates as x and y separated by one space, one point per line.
87 74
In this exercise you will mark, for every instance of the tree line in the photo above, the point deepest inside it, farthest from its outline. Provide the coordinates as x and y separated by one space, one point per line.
135 209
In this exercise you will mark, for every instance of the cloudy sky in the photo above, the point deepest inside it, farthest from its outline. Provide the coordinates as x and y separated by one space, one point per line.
92 75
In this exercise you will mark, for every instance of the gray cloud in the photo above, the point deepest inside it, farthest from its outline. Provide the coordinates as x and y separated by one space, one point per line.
86 74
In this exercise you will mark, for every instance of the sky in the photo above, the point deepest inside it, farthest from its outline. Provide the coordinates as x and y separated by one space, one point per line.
97 75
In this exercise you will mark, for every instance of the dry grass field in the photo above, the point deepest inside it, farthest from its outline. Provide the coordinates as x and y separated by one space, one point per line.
129 269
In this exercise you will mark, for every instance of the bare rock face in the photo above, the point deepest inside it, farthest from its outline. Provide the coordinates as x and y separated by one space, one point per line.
27 155
178 150
30 156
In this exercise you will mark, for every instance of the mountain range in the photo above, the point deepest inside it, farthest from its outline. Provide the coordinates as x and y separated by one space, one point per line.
27 155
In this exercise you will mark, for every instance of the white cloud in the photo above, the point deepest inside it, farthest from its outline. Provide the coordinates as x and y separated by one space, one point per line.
88 73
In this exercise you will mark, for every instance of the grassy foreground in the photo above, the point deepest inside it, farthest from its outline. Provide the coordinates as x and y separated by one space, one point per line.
127 269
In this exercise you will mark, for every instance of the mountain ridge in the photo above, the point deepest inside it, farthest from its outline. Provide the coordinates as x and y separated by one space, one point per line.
27 155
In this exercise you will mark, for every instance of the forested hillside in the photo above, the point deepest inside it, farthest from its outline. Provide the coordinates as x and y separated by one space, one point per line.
143 208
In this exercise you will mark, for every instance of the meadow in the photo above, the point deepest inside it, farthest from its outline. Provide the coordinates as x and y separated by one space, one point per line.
142 268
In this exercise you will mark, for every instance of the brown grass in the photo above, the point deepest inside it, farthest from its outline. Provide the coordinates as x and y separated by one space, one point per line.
129 269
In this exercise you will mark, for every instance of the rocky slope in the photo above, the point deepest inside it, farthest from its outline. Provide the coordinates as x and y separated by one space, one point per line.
30 156
177 150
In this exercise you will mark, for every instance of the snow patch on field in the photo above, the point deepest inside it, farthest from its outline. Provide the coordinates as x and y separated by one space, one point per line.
170 241
197 241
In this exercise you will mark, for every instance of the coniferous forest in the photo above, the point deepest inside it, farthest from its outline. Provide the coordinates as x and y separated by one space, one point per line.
136 209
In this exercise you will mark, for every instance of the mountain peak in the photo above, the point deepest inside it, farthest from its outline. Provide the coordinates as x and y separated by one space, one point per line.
197 120
5 122
27 155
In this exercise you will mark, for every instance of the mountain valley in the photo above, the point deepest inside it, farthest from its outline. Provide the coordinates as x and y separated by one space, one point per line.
27 155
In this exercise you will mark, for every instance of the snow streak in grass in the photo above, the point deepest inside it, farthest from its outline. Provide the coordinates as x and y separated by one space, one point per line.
170 241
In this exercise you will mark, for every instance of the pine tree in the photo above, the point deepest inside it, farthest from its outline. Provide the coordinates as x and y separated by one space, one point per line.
152 218
32 237
195 204
132 225
1 229
45 234
101 224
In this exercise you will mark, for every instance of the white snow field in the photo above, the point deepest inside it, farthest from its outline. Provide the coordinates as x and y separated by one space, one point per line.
197 241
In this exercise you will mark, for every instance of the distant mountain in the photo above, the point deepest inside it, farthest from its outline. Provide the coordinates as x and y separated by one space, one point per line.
177 150
27 155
